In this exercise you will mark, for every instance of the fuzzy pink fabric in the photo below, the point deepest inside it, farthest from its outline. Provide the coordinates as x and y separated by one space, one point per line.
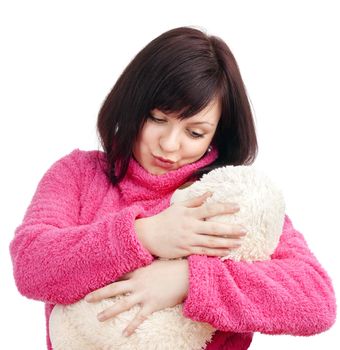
78 235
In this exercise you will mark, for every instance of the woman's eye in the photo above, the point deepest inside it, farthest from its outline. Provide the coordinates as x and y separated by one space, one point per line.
157 120
196 135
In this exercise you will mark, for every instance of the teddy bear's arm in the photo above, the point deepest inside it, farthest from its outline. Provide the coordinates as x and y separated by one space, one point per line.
290 294
59 261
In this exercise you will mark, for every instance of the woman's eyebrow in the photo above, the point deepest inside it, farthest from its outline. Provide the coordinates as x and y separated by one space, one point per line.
201 123
163 114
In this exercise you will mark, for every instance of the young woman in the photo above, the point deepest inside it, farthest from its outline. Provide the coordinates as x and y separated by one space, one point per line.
99 220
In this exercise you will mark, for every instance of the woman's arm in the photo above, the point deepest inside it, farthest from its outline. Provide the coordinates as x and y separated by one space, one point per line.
58 260
290 294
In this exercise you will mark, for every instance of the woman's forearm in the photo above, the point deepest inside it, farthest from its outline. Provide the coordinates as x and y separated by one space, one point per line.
290 294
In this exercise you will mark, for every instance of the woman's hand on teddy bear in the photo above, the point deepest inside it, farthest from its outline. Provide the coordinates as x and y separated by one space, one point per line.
162 284
182 230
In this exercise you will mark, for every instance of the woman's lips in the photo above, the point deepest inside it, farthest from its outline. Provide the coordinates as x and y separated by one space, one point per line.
163 162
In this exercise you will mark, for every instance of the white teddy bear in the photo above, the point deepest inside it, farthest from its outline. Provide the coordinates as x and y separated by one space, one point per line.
262 208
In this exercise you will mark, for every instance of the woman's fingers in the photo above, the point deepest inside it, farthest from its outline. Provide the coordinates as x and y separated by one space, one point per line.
210 252
121 305
217 242
109 291
218 239
212 228
141 316
196 201
213 209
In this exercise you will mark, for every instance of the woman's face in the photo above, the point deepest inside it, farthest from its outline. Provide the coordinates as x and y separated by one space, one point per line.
166 143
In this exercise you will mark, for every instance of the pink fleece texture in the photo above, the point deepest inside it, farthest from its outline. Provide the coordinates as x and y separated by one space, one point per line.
78 235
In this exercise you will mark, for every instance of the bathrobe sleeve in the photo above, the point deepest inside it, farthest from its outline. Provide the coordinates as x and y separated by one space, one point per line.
289 294
57 259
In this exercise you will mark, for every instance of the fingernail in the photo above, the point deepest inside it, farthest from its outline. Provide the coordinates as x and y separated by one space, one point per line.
244 231
125 333
101 316
89 298
234 206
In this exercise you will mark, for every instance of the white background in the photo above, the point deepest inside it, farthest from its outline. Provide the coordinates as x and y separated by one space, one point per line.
59 59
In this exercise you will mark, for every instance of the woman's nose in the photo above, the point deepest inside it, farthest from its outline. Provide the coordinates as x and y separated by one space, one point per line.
170 142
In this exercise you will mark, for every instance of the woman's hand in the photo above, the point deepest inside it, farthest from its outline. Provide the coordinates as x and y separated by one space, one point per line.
181 230
162 284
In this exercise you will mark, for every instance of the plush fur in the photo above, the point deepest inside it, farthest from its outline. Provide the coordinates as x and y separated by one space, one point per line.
262 208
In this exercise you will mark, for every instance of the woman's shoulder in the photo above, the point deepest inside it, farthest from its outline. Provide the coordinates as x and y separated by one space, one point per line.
86 157
82 157
80 163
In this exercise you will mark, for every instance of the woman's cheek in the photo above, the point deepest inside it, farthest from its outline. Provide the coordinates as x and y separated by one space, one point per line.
195 151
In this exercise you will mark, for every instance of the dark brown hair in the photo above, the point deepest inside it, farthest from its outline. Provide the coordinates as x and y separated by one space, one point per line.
182 70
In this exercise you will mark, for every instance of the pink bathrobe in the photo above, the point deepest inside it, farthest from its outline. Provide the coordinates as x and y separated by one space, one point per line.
78 235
